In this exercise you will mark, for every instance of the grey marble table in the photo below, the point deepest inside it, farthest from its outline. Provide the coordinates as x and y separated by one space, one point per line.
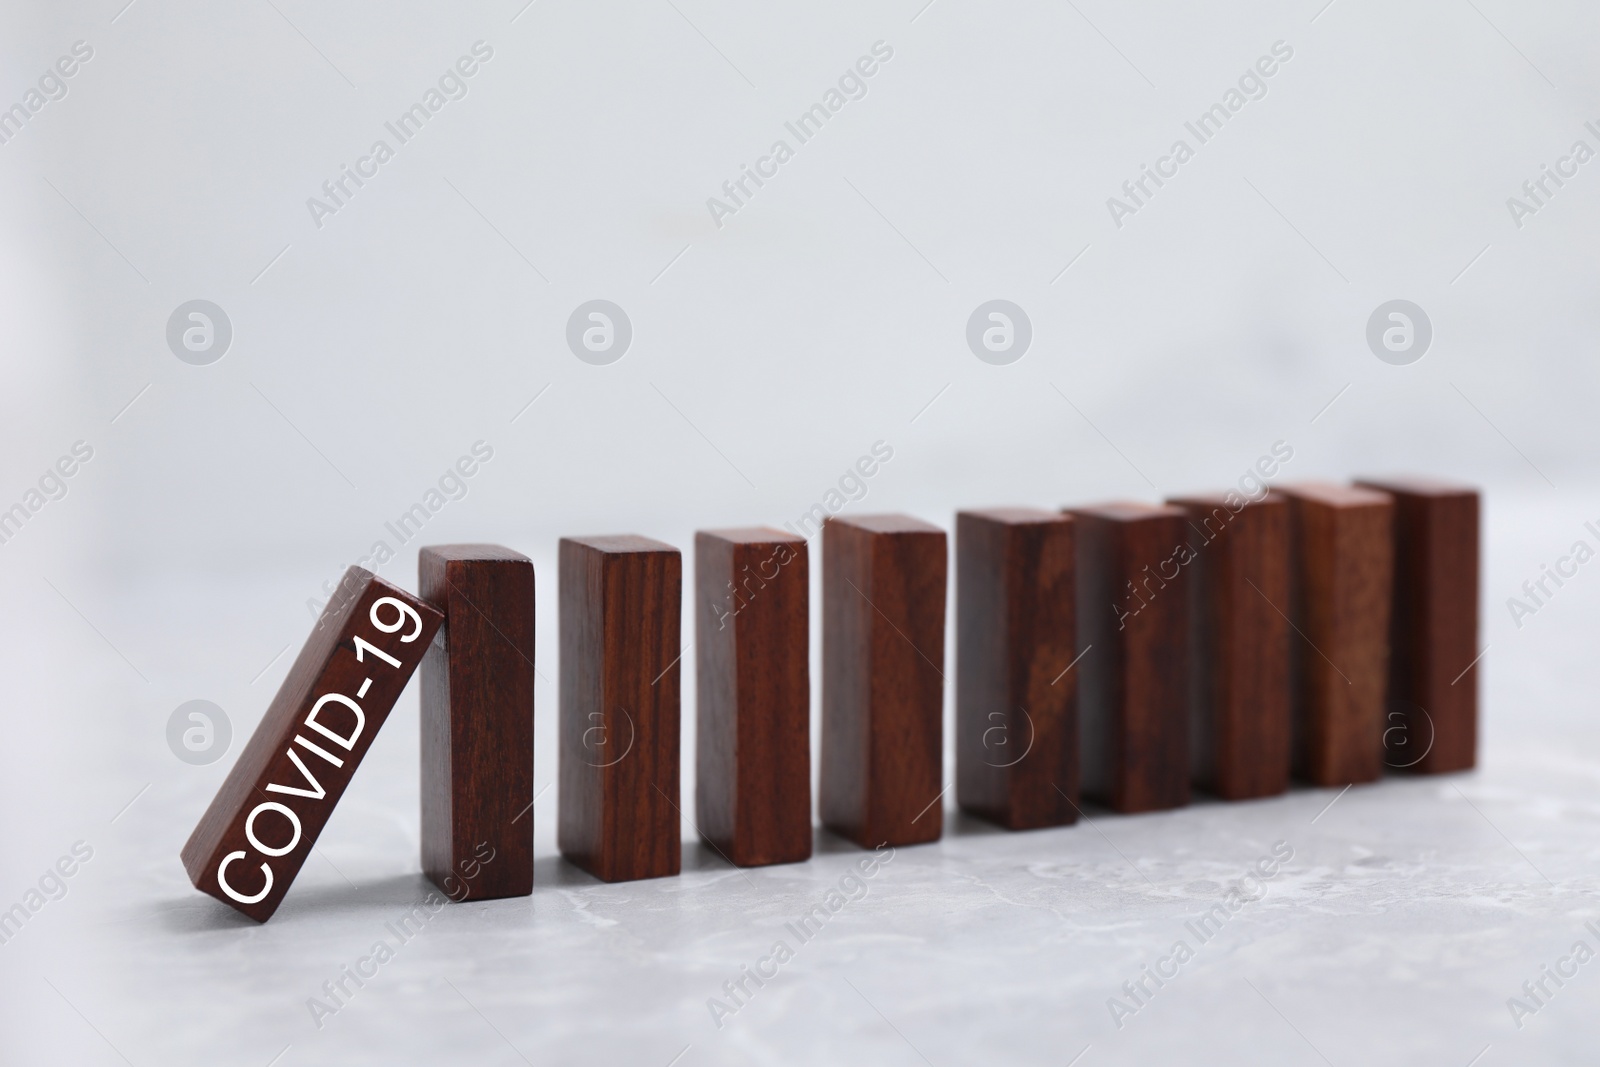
1408 915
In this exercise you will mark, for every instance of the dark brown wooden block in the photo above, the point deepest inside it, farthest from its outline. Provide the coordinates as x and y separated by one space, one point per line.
263 822
1133 632
883 592
1016 701
753 680
1342 563
621 601
1432 716
477 722
1239 733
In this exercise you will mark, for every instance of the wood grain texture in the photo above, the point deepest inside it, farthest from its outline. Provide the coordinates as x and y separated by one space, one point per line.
1133 634
753 683
1342 564
883 601
477 722
1240 703
621 602
263 822
1016 701
1432 713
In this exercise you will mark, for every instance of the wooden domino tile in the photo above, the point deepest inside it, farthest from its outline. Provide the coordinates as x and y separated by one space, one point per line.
263 822
883 604
1134 636
477 722
1342 563
618 812
1239 596
1016 700
1431 722
753 687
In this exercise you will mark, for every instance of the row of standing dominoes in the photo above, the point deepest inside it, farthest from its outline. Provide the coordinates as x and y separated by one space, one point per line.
1124 652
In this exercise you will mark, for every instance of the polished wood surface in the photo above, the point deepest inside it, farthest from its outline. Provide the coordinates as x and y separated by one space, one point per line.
1134 637
1342 553
618 815
1238 594
883 604
261 826
477 722
753 695
1016 698
1431 721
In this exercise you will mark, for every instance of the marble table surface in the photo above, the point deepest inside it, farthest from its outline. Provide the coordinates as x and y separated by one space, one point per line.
1405 920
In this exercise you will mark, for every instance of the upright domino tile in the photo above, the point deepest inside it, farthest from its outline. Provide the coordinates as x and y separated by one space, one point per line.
263 822
753 685
1431 722
618 815
1239 593
1134 636
883 602
1016 699
1342 563
477 722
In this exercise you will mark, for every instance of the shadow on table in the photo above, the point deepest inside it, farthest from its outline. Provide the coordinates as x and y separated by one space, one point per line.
200 914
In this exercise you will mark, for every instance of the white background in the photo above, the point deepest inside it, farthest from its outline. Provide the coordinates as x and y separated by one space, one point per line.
768 354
